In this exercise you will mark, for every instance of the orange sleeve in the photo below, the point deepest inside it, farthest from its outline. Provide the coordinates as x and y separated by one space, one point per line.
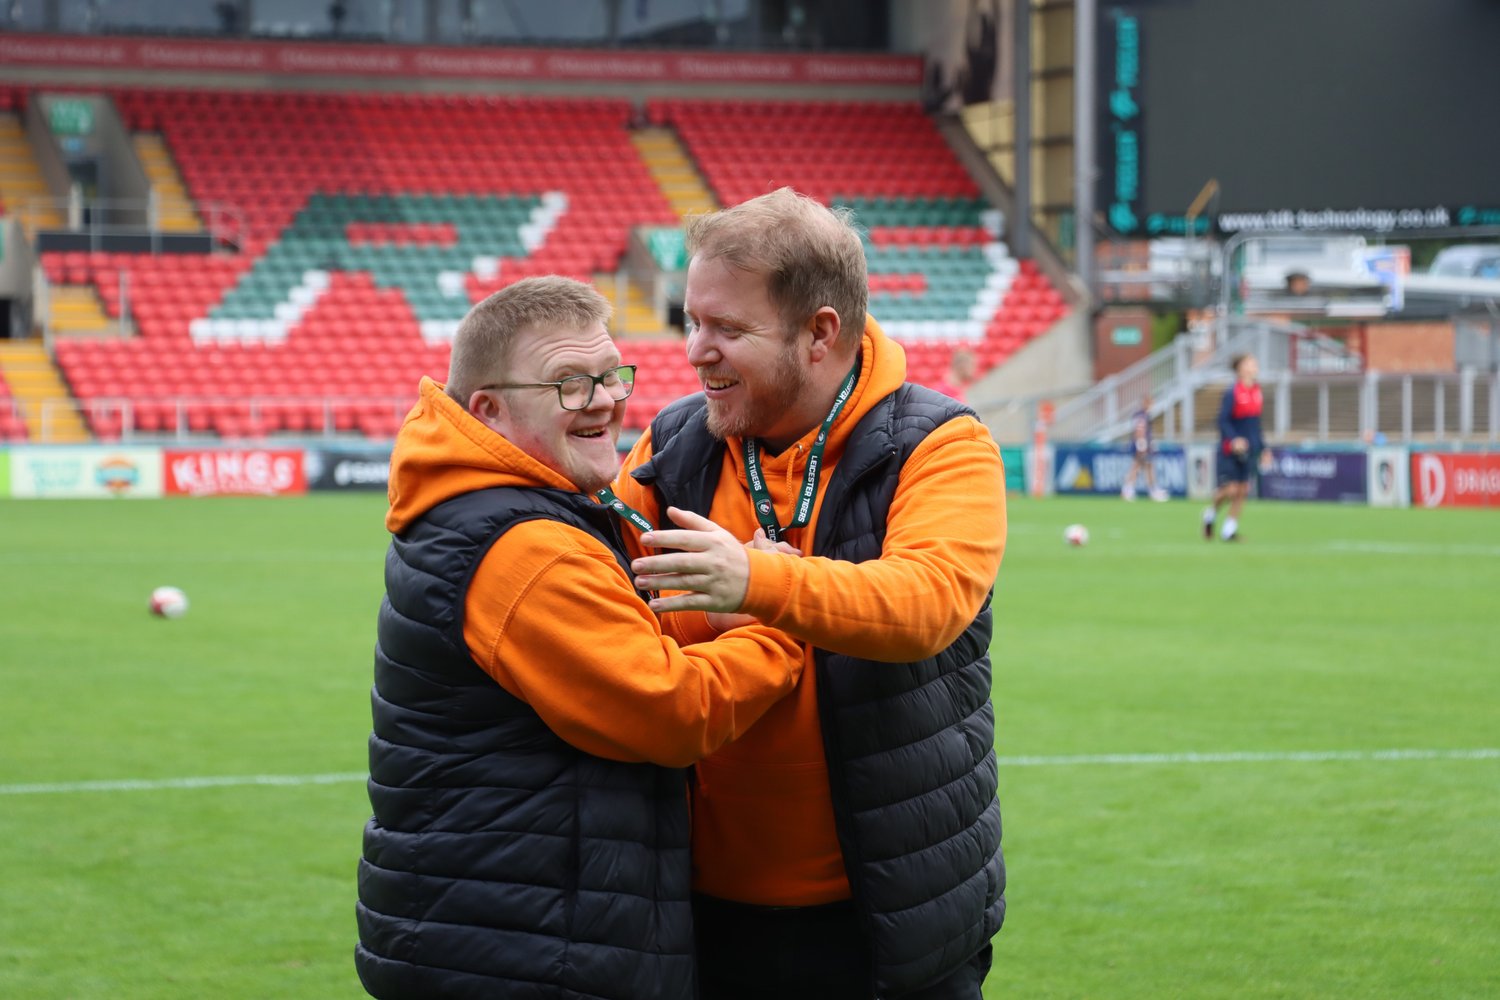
554 619
685 626
944 540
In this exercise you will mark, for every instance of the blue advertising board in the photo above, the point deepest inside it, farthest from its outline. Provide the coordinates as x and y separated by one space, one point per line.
1331 476
1084 470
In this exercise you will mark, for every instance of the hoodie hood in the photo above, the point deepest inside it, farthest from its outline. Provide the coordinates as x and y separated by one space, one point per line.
443 451
882 368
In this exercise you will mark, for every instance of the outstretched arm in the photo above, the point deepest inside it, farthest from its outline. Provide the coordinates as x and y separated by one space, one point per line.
688 627
552 618
944 539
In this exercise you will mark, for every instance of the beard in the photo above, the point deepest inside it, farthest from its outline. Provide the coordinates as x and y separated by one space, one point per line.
593 484
764 405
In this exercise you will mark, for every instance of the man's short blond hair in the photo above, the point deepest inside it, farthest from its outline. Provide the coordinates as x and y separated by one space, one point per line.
491 330
811 255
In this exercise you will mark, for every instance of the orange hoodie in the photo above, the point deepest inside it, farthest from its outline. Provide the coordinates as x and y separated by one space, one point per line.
763 826
555 620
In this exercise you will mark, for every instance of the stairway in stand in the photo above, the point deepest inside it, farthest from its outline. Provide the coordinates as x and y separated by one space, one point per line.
682 186
23 192
673 170
176 213
44 401
634 316
78 309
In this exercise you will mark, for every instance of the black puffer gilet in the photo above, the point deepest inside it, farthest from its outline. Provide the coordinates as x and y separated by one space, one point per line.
910 746
502 861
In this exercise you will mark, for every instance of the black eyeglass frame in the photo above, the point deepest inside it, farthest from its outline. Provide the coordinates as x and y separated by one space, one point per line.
595 382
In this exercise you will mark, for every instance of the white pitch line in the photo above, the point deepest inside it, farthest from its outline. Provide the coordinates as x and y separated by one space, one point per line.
1073 760
159 784
1249 757
1412 548
300 556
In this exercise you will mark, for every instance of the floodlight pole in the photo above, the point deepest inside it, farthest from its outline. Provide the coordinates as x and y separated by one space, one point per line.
1018 229
1085 61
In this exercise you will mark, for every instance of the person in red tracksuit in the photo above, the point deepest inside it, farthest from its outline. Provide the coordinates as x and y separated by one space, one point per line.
1242 447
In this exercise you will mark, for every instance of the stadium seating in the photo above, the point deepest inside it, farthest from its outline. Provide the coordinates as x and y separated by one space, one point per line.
370 223
829 150
939 280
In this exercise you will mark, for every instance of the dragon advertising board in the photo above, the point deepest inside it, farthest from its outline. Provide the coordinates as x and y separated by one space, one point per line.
1456 479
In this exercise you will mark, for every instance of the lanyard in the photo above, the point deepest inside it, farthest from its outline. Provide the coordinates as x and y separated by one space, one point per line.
625 512
622 510
765 510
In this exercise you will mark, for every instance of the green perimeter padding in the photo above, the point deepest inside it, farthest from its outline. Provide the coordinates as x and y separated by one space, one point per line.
4 472
485 225
1015 469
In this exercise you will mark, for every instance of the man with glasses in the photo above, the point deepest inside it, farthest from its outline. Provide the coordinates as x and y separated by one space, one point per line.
532 723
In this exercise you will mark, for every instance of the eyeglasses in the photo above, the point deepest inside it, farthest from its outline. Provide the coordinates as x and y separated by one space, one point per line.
576 392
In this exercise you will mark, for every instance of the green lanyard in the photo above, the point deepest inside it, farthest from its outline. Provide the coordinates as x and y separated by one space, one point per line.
765 510
626 512
621 509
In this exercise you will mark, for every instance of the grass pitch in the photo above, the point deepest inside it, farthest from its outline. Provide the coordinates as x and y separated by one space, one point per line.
1197 797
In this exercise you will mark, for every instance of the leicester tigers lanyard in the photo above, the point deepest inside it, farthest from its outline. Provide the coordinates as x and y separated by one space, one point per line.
765 510
626 512
622 510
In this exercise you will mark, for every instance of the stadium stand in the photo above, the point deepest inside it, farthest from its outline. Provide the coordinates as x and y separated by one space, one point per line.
371 222
938 279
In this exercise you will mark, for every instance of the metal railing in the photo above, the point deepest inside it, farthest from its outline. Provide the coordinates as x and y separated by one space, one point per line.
99 218
1316 389
1170 377
1426 408
197 418
1461 407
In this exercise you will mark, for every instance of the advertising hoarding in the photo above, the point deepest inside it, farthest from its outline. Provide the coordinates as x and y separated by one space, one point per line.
1463 479
1122 125
1438 174
1093 470
1202 473
84 472
1333 476
367 469
1015 469
200 472
263 58
1389 484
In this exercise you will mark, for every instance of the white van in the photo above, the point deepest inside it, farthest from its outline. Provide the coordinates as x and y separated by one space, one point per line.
1467 260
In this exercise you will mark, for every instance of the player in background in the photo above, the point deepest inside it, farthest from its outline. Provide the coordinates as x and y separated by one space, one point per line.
1142 454
1241 447
962 369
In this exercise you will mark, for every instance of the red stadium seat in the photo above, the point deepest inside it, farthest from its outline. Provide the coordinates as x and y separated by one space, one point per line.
271 153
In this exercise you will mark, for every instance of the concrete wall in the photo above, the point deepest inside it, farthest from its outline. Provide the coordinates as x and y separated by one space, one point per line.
15 261
1058 362
1409 347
